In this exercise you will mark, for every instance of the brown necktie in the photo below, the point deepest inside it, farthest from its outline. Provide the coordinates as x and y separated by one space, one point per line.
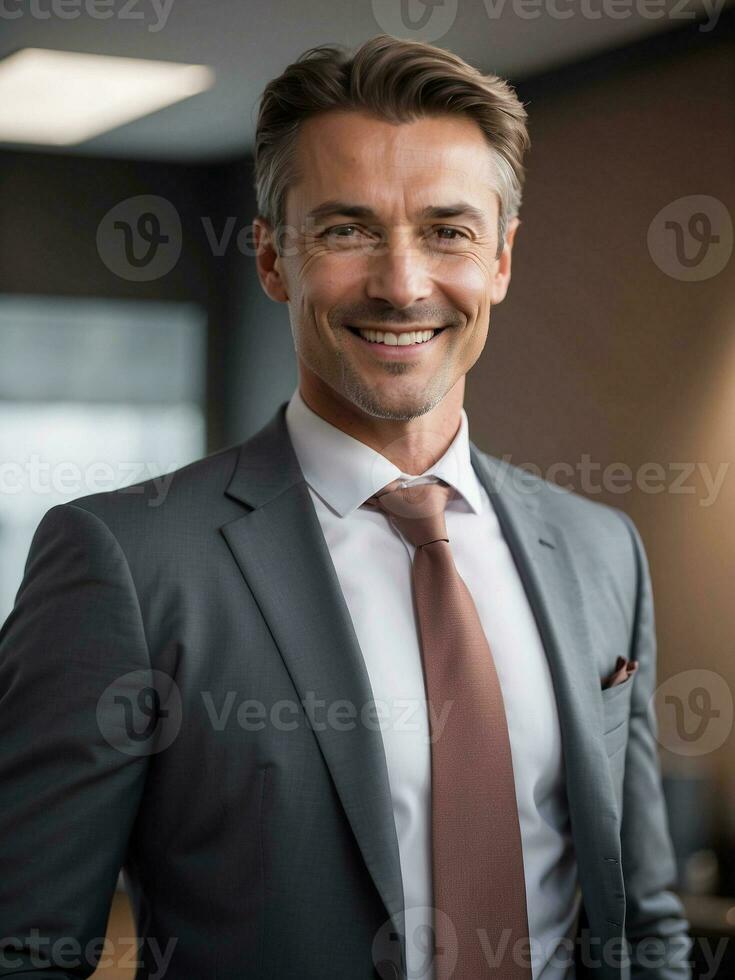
477 858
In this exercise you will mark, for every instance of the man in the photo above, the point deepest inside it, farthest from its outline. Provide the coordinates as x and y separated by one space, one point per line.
355 700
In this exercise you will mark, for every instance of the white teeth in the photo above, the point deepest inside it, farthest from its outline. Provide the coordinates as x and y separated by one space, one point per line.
397 339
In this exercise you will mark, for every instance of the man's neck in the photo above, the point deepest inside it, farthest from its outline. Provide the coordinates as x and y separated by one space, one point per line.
413 445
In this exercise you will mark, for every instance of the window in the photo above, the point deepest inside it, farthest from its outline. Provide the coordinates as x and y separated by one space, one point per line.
94 395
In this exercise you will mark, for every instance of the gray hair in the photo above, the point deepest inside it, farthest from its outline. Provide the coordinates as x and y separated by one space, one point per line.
398 81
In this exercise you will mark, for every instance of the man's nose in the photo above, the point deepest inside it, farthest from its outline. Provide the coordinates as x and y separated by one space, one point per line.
399 274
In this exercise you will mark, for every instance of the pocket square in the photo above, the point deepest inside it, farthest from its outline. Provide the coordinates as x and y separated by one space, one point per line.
623 670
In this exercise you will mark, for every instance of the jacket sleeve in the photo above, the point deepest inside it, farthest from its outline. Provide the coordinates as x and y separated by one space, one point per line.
70 788
656 927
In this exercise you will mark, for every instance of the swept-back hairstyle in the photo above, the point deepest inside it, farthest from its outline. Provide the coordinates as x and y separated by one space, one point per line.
398 81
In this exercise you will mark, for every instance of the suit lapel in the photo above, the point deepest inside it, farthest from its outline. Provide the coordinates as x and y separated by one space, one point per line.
561 608
280 550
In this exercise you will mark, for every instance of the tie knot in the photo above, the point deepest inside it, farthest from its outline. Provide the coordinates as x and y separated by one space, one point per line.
417 510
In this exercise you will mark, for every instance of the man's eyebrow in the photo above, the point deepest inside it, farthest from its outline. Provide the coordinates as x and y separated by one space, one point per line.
459 210
340 207
347 210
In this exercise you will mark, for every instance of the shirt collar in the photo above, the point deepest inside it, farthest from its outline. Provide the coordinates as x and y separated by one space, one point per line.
344 472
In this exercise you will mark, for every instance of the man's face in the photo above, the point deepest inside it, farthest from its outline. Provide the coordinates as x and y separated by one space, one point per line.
391 227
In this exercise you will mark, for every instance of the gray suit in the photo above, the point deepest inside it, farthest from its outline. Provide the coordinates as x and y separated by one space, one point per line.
262 840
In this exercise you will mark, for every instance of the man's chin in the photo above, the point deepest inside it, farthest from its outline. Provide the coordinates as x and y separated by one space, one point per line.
399 407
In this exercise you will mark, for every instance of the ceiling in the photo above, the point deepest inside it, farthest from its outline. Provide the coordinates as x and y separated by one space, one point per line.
248 42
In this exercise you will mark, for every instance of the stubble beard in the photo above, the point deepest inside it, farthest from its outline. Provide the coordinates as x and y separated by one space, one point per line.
401 407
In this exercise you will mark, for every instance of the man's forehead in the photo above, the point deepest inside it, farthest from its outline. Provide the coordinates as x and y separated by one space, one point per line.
417 186
414 172
337 141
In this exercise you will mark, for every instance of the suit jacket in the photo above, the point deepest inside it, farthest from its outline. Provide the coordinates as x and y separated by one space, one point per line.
155 674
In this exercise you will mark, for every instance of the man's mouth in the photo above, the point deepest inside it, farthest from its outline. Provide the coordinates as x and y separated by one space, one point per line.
403 339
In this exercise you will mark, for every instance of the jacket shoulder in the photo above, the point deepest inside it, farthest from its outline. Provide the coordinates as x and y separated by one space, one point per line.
580 516
175 493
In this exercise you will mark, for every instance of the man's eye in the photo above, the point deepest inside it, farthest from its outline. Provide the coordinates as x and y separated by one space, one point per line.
341 231
454 232
347 233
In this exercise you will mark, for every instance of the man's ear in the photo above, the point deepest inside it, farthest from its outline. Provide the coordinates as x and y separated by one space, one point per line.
268 262
501 279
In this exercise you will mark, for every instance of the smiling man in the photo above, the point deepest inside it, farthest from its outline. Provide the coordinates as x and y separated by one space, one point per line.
389 189
355 700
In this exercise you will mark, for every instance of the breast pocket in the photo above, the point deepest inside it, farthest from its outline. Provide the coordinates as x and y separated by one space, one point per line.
615 728
616 715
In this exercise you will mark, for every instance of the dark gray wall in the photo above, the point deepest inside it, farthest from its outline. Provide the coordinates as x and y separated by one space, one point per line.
50 210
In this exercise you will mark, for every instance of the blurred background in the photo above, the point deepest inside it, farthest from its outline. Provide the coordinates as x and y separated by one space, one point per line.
135 337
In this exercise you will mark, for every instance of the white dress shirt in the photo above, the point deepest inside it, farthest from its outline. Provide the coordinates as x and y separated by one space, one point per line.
373 563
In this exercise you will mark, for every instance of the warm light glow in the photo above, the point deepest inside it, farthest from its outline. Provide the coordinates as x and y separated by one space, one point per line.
62 97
